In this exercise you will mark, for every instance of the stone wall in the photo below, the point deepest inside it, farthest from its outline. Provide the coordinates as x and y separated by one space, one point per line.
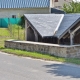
57 50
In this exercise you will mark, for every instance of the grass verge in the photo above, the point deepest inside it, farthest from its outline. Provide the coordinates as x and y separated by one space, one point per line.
40 56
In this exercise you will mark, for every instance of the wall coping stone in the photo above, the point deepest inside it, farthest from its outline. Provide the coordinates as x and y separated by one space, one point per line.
39 43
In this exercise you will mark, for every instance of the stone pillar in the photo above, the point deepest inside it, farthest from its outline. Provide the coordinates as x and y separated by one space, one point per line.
71 39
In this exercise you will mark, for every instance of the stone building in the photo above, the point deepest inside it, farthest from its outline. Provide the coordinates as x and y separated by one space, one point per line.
59 3
17 8
9 8
53 28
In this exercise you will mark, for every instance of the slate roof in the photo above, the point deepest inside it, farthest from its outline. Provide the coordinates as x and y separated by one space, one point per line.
24 3
45 24
52 24
57 11
68 21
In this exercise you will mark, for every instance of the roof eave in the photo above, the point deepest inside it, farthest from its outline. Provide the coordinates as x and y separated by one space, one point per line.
59 37
32 25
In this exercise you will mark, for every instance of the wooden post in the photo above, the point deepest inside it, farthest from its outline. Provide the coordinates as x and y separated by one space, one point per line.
36 36
25 29
71 39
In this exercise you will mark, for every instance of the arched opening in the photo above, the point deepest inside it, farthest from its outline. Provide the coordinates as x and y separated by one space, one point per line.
77 37
65 40
30 34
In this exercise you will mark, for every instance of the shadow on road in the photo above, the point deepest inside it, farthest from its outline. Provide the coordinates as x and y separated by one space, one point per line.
63 70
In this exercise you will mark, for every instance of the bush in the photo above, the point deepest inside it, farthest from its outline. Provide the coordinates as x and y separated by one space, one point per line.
22 23
73 7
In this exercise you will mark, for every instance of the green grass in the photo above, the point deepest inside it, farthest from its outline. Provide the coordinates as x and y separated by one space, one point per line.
40 56
4 32
10 33
4 35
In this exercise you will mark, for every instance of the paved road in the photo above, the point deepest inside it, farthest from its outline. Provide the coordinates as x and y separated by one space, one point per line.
20 68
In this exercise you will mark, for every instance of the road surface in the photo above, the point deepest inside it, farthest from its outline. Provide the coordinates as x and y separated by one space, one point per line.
22 68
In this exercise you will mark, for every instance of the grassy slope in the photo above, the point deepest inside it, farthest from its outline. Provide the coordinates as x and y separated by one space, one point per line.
5 34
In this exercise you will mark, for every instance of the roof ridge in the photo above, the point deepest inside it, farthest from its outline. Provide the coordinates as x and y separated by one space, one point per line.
59 24
78 19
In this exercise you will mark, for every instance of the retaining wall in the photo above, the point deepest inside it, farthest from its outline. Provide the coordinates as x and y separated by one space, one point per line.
53 49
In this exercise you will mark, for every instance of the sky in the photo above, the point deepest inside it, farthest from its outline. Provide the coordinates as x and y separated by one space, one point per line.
76 0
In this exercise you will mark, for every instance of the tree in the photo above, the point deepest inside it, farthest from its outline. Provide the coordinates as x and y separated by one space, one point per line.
73 7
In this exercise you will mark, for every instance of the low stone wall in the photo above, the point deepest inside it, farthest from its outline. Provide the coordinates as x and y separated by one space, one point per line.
53 49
